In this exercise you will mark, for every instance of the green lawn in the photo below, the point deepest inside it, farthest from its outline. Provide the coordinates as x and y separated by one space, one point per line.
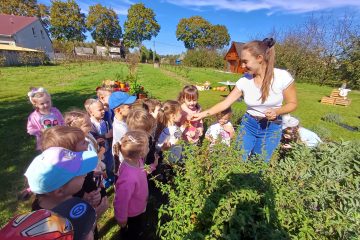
71 84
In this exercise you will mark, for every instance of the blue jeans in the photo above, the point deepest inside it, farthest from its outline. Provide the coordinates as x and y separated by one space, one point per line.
259 136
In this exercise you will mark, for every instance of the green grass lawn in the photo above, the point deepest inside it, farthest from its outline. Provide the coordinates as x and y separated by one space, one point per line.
71 84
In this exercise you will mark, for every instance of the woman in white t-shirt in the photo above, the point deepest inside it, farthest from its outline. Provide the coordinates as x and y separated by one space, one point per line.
264 89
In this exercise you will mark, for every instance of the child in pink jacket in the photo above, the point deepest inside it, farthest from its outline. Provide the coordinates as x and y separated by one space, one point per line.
131 189
44 116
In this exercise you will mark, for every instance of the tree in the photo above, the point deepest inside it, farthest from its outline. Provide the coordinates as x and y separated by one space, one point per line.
194 32
104 25
140 25
350 63
219 36
67 22
28 8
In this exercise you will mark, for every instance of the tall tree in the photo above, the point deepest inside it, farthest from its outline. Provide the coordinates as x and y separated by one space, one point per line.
67 22
140 25
104 25
350 62
219 36
194 32
28 8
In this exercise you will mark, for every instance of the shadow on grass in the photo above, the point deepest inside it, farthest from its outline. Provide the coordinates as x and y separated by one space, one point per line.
252 219
18 148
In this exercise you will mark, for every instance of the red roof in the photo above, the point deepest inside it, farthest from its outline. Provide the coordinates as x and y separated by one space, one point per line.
11 24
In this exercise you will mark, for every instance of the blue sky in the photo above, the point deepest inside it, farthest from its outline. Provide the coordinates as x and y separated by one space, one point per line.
244 19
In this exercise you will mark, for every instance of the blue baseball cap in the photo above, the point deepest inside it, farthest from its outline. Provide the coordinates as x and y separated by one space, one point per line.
56 166
119 98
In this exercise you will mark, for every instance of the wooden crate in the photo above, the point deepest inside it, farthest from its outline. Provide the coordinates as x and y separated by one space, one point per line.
335 93
328 100
336 99
342 102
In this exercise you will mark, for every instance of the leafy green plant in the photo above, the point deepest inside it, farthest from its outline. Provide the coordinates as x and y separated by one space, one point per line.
332 118
309 194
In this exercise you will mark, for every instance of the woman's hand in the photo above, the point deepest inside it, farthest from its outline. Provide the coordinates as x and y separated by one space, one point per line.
198 116
270 114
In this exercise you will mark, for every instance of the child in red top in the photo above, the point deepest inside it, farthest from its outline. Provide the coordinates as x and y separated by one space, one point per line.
191 130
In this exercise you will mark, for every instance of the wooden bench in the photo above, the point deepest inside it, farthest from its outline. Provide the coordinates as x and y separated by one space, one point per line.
336 99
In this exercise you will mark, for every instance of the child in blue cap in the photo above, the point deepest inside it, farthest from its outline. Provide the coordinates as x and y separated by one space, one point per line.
120 103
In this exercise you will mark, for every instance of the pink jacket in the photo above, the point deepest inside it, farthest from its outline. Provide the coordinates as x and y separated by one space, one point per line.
131 191
37 122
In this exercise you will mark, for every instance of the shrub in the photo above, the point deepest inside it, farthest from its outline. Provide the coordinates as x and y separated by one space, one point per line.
332 118
310 194
204 58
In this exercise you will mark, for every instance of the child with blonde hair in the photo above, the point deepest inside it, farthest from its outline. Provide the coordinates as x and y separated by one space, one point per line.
191 130
131 191
81 119
223 130
102 133
44 116
140 119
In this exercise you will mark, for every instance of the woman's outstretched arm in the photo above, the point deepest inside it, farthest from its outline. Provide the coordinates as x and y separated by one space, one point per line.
221 106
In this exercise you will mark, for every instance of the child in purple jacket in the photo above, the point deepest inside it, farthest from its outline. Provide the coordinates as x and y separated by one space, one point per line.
132 192
44 116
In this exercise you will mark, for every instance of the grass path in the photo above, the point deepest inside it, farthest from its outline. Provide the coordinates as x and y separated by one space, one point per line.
171 74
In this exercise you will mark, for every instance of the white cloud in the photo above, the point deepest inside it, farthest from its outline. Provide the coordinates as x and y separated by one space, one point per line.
289 6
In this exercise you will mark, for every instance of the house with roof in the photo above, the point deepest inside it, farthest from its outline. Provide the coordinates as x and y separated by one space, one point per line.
21 33
232 58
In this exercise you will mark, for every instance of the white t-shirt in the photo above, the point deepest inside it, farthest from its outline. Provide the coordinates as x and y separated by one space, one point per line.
308 137
252 94
171 134
216 130
119 130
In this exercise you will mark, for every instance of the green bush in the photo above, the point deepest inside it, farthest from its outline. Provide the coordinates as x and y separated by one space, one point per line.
332 118
310 194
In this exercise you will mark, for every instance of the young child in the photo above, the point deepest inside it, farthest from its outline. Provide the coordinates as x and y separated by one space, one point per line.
191 130
223 130
80 119
293 132
120 103
152 106
73 139
168 133
102 133
103 94
132 192
57 174
140 119
44 115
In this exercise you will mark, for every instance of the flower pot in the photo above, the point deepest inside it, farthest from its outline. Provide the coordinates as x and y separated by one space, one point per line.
122 85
